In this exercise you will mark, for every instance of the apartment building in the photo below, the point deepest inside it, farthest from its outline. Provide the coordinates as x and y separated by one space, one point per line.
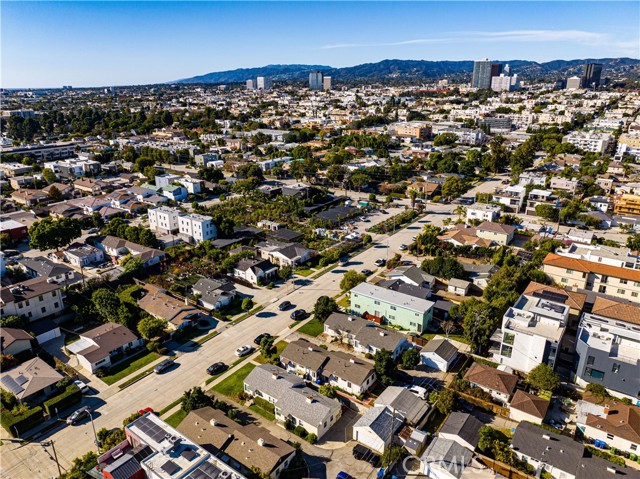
599 277
496 232
535 179
607 347
539 197
387 306
564 184
512 197
611 255
483 212
627 205
592 142
531 332
413 130
192 227
34 299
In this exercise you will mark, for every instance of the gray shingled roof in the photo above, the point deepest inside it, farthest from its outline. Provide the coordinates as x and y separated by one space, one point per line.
448 454
366 332
290 394
559 451
441 347
380 421
463 425
405 402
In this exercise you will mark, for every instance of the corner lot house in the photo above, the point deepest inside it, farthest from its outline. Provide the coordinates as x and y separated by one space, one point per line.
387 306
294 402
439 354
98 346
365 336
32 381
500 384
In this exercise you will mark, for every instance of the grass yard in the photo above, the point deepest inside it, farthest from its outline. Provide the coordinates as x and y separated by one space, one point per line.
263 412
280 345
344 302
312 328
176 418
234 384
130 366
304 271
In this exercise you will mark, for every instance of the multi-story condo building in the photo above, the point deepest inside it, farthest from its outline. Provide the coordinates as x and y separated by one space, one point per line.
315 80
264 83
467 136
574 83
540 197
627 205
326 83
392 307
592 142
483 212
608 347
512 197
531 332
620 257
481 74
563 184
193 227
415 130
34 299
535 179
602 278
505 82
591 75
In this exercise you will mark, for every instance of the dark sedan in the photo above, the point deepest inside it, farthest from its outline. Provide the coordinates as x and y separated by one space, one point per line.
284 305
299 314
260 337
216 368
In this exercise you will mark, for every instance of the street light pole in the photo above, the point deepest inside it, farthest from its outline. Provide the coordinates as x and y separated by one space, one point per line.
94 433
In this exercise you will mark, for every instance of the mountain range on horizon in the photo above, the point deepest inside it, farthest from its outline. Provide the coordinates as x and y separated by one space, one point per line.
405 70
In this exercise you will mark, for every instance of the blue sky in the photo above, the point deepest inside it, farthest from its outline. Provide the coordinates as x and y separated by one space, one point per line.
50 44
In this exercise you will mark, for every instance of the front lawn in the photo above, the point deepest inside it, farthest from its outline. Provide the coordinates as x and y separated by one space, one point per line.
312 328
176 418
280 345
234 384
129 366
263 412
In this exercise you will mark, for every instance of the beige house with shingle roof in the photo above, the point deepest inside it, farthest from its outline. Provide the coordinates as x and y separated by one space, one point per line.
500 384
159 304
32 381
528 407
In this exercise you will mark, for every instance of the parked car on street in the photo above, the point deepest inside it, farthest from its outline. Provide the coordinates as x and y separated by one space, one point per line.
380 262
84 389
163 366
299 314
260 337
216 368
78 414
284 305
244 350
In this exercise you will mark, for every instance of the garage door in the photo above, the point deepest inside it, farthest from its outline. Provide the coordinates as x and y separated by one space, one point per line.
48 336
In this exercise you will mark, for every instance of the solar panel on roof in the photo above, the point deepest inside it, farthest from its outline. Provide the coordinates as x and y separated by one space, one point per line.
151 429
170 467
188 454
21 379
206 470
10 383
551 296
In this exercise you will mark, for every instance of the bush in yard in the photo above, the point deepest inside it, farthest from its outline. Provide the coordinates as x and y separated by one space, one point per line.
311 438
131 418
543 377
410 358
446 401
324 307
19 424
71 396
195 398
300 431
264 404
327 390
247 304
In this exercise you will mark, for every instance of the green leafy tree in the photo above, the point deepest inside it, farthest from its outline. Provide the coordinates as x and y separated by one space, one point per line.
543 377
478 322
385 366
328 390
80 466
446 401
410 358
351 279
195 398
548 212
247 304
12 321
324 307
267 348
633 242
107 304
54 234
453 186
49 176
598 391
445 139
109 438
212 175
151 327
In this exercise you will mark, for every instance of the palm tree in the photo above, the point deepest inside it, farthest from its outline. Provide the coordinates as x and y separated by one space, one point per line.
460 211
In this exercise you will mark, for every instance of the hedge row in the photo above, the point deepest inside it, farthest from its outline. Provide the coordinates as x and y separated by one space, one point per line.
17 425
71 396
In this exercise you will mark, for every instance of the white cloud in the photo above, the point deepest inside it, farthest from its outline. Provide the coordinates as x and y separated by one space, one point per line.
604 41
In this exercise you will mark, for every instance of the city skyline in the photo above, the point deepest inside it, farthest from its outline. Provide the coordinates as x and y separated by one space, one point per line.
127 43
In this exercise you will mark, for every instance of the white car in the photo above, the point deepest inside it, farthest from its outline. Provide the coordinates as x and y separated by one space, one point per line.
419 391
244 350
84 389
403 247
379 262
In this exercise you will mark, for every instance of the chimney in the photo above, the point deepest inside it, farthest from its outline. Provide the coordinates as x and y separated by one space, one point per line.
213 422
546 436
352 360
274 375
350 318
310 348
310 399
261 442
612 470
383 334
606 410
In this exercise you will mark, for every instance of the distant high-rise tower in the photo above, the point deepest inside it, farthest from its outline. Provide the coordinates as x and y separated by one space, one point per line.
481 74
591 75
315 80
496 69
574 83
326 83
507 70
251 84
264 83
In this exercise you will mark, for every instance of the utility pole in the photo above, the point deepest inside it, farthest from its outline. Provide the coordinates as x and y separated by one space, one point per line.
55 454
